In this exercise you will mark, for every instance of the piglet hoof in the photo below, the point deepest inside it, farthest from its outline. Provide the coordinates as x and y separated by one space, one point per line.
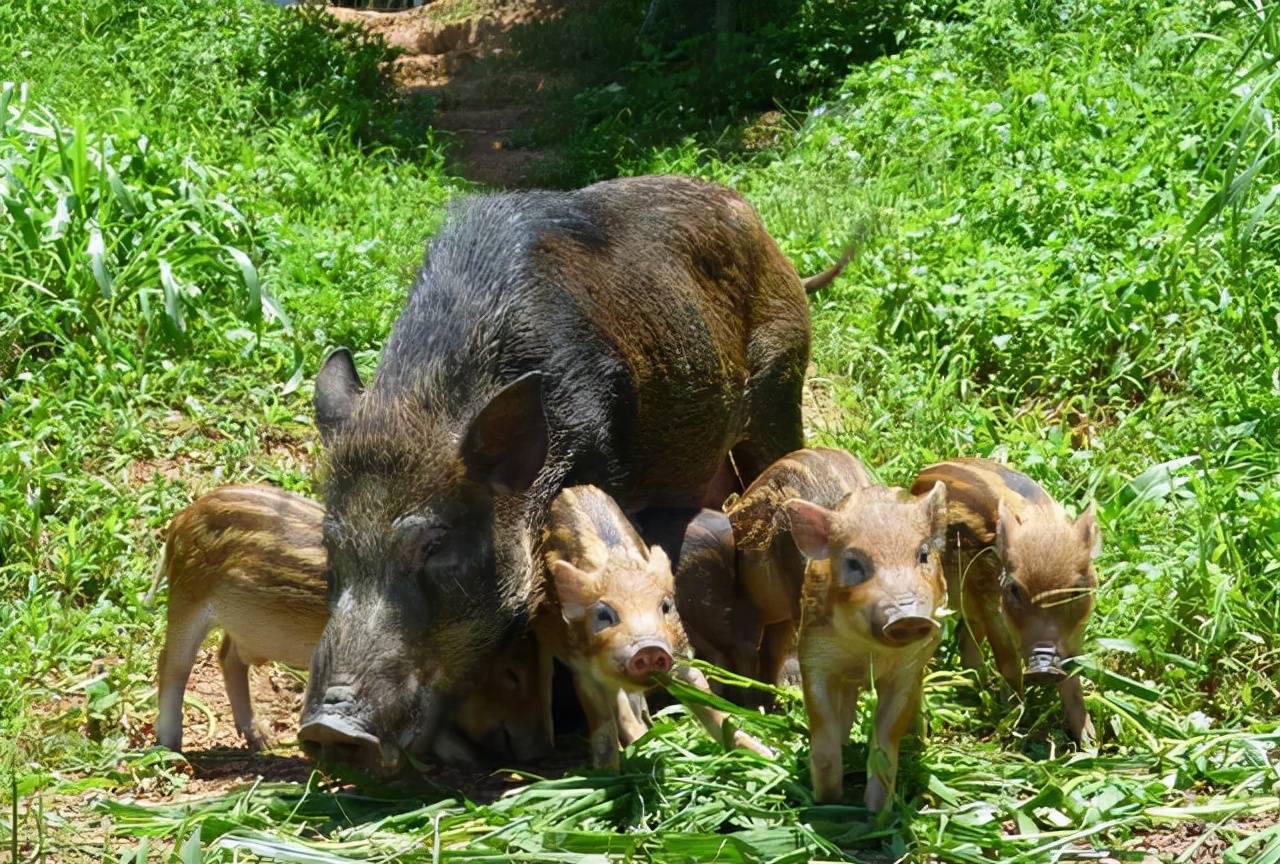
743 741
257 737
877 795
1085 735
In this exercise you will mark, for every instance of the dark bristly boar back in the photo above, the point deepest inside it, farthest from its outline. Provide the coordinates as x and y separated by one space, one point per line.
630 334
1021 574
249 560
770 566
872 589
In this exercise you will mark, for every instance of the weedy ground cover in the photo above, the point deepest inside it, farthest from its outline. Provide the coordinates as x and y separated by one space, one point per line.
1075 263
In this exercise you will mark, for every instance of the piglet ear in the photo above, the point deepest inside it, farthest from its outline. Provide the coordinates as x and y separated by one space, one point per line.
658 560
810 526
1006 519
574 589
934 504
1090 533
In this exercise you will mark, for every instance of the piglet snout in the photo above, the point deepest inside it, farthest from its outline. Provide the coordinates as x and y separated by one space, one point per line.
906 620
1044 666
648 659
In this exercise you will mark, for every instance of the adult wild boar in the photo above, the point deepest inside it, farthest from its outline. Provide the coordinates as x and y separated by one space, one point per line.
629 335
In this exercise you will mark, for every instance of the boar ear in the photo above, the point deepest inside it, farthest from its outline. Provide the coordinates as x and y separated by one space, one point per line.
810 526
506 442
337 388
1090 533
573 588
934 504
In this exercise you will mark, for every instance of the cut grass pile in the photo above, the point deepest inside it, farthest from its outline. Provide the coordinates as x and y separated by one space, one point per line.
1075 265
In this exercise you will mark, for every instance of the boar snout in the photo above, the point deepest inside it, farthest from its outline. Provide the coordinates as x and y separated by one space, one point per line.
1044 665
331 737
647 658
903 620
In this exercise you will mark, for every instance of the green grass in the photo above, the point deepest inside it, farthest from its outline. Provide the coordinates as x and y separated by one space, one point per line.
1075 264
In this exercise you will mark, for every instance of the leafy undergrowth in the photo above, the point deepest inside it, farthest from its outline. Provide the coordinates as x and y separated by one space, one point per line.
1075 265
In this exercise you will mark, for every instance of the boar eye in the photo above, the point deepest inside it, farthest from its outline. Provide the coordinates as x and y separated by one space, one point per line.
852 571
667 606
603 617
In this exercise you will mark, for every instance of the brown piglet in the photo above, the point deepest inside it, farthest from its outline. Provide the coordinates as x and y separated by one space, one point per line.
722 622
609 613
872 588
249 560
1021 574
770 566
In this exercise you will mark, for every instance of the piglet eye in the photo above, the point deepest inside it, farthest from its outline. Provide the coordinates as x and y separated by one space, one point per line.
923 555
603 616
852 571
667 606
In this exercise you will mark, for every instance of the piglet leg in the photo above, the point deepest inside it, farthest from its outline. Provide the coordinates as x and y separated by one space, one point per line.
600 705
1003 645
632 716
899 703
1078 721
713 720
235 675
830 703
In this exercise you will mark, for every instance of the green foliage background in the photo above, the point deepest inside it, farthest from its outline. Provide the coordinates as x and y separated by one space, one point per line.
1075 265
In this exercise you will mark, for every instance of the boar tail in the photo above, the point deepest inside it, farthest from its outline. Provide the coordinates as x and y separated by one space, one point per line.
161 569
818 281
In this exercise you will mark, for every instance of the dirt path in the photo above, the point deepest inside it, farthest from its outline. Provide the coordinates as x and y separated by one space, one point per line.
457 52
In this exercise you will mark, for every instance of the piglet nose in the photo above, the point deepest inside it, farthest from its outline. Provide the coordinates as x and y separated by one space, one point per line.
1044 666
648 660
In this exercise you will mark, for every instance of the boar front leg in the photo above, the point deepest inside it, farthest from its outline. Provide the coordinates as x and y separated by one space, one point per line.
546 674
898 705
829 700
600 704
1078 721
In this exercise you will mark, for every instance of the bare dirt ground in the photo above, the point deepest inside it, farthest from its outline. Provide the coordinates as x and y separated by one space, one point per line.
454 50
218 759
1199 842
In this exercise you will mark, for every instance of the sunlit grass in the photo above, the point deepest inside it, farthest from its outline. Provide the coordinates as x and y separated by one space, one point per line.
1076 266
